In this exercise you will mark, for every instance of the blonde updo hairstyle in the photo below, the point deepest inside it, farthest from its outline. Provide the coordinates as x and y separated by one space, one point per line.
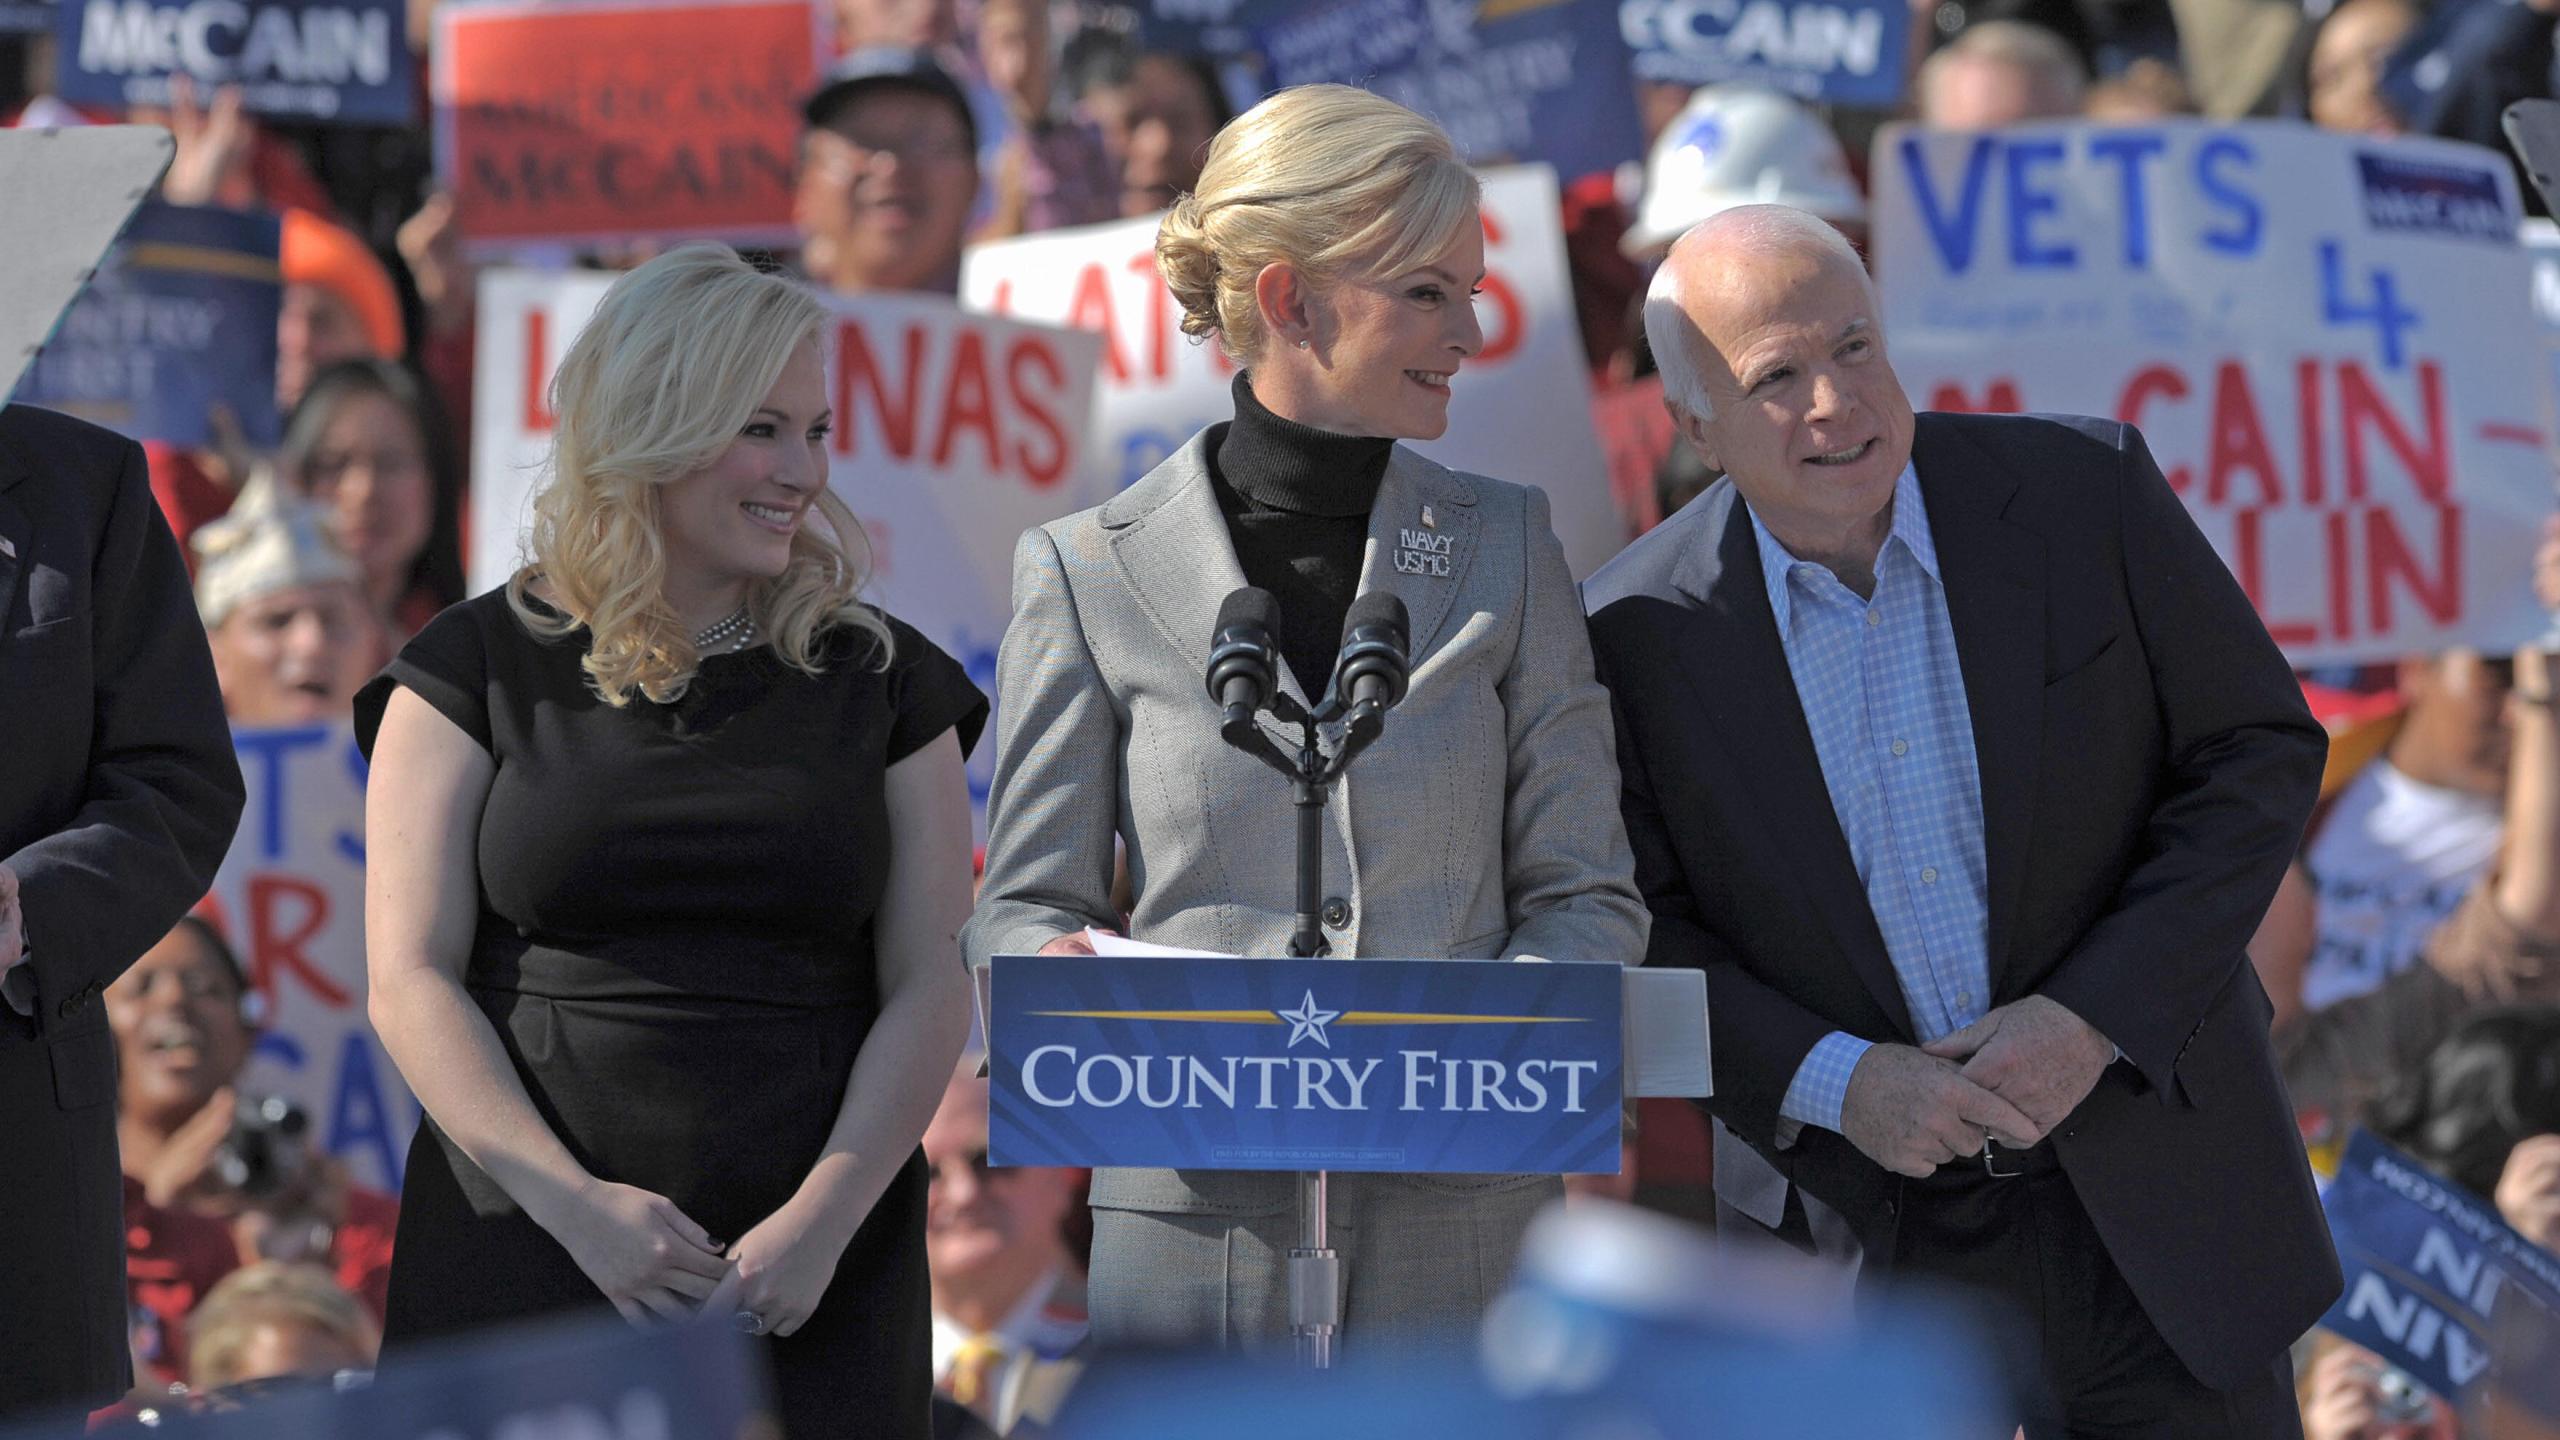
1332 180
679 355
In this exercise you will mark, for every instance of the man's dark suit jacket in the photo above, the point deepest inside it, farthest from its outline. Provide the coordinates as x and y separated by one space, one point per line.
119 791
2147 765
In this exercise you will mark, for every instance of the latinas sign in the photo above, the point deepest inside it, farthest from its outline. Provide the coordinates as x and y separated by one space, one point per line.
1389 1065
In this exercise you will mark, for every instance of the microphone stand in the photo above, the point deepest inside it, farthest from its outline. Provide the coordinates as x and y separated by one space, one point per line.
1315 1268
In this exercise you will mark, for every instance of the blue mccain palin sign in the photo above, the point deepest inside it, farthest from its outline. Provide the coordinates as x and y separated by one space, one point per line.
1836 52
1382 1065
341 62
181 318
1518 80
2437 1282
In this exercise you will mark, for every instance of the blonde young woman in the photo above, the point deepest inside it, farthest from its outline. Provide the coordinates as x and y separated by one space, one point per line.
1331 248
668 848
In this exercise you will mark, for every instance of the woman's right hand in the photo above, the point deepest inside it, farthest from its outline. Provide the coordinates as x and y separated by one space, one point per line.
1074 942
640 1250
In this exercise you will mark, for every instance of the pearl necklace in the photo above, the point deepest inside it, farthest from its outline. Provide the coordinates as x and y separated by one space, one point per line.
740 627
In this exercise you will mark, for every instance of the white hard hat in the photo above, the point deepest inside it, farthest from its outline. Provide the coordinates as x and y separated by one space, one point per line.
1741 145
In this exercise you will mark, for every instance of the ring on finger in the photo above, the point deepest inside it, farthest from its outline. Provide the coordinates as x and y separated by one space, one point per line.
748 1322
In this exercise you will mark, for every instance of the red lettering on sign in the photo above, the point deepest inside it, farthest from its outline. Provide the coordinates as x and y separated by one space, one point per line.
1042 465
855 364
2361 407
537 366
2239 441
968 403
2248 563
275 946
2387 550
1090 309
2165 383
2315 467
1998 398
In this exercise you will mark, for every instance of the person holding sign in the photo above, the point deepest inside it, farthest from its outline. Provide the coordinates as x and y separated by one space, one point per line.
1965 770
668 850
117 801
1331 247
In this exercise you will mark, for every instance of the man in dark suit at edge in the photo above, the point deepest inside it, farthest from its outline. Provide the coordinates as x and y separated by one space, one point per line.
119 791
1958 761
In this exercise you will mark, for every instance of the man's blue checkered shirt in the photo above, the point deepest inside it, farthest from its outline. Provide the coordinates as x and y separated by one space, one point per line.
1884 698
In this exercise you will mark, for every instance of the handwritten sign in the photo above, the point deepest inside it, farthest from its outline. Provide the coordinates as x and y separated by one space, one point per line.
290 899
1839 52
1516 410
343 62
954 433
2320 336
619 120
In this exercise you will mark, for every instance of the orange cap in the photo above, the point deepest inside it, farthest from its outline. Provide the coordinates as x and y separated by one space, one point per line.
317 252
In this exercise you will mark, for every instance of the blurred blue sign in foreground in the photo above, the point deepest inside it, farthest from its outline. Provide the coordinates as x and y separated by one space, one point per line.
1393 1065
181 318
2437 1284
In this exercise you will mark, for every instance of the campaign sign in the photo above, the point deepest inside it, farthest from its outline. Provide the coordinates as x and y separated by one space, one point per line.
290 900
2321 336
1517 408
954 433
1225 1064
610 121
181 318
26 17
1523 80
1832 52
332 62
2433 1273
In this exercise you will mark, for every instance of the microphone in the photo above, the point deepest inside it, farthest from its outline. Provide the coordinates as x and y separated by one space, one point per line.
1370 676
1242 658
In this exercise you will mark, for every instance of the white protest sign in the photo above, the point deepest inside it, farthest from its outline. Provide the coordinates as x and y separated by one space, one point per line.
1520 410
2325 338
954 433
290 899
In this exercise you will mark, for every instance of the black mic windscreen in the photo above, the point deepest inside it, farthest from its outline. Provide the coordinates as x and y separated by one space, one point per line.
1375 610
1250 606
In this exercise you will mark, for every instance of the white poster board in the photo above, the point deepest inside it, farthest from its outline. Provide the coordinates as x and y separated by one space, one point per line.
2327 341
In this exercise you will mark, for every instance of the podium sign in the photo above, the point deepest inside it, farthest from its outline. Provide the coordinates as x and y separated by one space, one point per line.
1226 1064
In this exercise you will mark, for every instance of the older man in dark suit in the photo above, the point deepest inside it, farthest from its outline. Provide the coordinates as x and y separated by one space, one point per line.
118 795
1957 760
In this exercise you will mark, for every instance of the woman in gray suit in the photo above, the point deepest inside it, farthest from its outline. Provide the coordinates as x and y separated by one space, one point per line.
1331 248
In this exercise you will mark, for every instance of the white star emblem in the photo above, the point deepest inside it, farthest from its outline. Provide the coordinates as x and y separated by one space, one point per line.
1307 1022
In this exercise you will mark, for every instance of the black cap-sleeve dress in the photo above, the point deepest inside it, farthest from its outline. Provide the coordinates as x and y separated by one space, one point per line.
675 949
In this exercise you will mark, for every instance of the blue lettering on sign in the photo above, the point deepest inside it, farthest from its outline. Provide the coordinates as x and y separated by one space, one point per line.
268 749
2247 230
2459 200
1952 234
2388 317
2029 198
351 846
2130 150
359 1118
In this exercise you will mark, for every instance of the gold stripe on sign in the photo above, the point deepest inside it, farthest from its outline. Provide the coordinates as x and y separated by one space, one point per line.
1210 1017
204 260
1400 1017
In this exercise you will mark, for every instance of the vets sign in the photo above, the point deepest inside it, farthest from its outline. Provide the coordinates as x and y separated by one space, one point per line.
2326 340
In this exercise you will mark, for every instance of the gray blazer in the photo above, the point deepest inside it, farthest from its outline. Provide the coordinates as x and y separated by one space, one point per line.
1481 824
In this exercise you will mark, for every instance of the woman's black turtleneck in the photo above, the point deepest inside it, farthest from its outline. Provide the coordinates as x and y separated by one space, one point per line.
1297 502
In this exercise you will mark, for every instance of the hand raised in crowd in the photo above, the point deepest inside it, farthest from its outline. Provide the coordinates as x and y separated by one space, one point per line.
644 1253
2546 565
13 924
215 143
1912 1112
430 244
2033 1053
2347 1402
780 1269
181 1173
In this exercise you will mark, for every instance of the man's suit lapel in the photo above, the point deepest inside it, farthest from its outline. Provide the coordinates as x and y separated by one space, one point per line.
15 534
1994 574
1412 488
1738 672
